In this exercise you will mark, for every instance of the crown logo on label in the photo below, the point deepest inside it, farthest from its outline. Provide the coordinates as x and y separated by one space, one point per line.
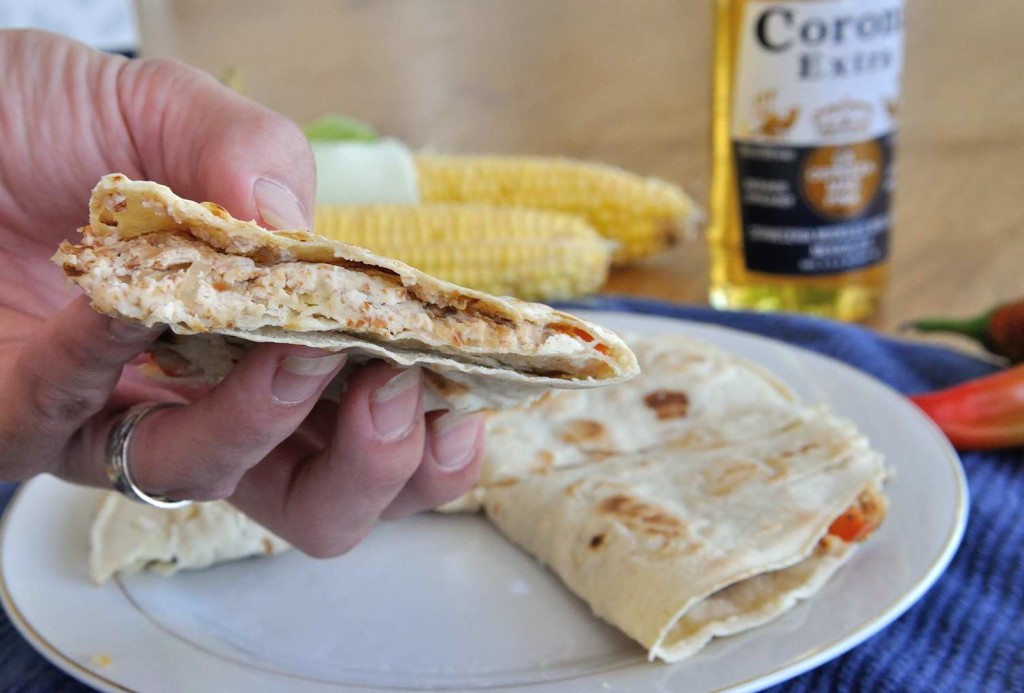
843 117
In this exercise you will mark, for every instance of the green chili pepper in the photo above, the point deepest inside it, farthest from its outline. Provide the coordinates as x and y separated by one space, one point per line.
1000 330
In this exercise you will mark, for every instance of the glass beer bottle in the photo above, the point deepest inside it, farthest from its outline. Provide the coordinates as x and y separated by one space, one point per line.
806 94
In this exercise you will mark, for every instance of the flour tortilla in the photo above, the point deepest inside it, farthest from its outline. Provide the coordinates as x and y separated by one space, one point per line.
647 539
127 537
690 502
155 258
688 393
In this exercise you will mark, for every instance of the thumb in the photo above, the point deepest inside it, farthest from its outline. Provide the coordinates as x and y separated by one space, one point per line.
209 143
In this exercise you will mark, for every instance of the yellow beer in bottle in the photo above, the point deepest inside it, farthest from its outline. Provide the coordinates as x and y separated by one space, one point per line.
806 95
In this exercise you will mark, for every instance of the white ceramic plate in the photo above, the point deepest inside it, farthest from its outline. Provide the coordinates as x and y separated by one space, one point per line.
445 602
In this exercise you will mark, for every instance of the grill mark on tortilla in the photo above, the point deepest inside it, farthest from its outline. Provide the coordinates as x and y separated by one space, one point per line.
726 481
583 432
642 517
502 483
668 404
544 462
778 465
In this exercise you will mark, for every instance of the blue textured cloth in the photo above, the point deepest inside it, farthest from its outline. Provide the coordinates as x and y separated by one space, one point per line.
967 634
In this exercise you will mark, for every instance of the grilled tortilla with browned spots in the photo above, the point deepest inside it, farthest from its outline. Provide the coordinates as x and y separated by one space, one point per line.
152 257
700 499
687 393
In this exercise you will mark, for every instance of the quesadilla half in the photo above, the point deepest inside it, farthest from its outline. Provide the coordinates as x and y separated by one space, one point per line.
675 547
699 499
127 537
152 257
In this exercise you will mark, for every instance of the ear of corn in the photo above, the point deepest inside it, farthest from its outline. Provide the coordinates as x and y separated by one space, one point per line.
530 254
643 215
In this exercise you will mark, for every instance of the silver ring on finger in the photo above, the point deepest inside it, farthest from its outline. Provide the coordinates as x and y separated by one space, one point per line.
119 444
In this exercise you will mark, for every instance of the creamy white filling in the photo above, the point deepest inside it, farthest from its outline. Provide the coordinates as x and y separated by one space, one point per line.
168 278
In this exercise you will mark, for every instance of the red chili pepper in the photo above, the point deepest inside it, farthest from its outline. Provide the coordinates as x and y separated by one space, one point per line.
982 414
1000 330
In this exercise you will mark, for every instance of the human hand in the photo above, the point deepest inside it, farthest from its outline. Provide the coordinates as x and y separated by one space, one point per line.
318 474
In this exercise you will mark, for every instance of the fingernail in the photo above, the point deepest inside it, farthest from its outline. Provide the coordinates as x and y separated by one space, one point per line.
278 206
124 331
453 439
299 377
394 405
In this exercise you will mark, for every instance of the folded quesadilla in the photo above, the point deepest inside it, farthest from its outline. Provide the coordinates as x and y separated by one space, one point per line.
127 537
699 499
674 547
155 258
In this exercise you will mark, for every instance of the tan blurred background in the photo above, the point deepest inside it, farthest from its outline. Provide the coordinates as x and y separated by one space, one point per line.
628 82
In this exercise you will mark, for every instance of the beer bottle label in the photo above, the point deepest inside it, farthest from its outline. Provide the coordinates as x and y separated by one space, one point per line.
814 111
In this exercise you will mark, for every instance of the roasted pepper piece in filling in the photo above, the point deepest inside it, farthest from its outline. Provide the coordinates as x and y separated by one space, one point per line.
861 519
